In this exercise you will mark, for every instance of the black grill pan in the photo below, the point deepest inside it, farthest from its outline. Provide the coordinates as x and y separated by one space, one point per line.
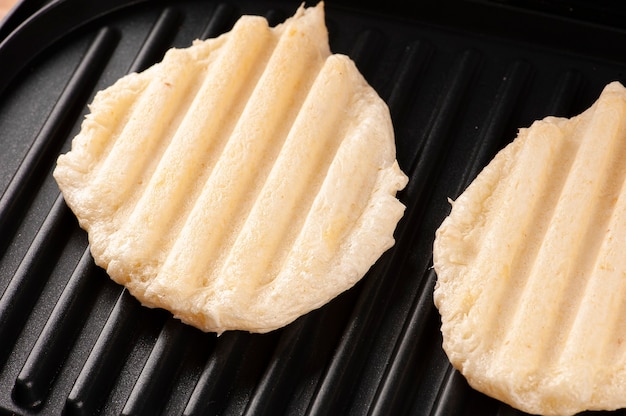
73 342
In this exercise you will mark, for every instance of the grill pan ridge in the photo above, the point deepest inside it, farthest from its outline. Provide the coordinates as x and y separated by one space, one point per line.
73 342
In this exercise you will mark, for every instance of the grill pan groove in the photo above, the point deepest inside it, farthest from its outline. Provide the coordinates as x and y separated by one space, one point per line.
437 141
159 371
367 314
57 337
26 284
286 362
413 59
221 21
455 99
565 90
510 91
44 149
397 373
105 359
451 395
158 40
218 373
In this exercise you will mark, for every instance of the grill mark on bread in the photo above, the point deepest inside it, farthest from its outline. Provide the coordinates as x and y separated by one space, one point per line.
256 216
230 191
538 222
286 197
104 138
327 151
333 221
548 280
513 196
154 154
168 193
323 172
149 117
223 129
115 152
114 191
589 320
598 328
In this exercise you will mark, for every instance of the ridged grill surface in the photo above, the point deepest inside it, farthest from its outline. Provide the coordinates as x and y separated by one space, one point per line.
73 341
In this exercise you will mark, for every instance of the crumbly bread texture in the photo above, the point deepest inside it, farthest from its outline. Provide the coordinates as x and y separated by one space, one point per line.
531 267
243 181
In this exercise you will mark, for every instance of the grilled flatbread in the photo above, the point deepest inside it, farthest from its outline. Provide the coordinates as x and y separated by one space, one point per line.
531 267
241 182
